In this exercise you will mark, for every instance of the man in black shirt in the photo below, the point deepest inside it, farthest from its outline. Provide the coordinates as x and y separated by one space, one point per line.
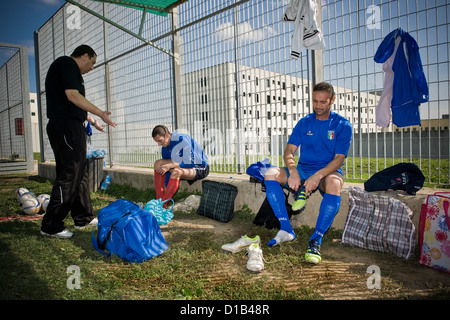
67 109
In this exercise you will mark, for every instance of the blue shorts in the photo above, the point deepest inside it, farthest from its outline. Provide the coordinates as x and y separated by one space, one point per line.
304 175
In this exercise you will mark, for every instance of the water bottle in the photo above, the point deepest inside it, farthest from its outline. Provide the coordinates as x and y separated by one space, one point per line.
101 153
89 152
106 183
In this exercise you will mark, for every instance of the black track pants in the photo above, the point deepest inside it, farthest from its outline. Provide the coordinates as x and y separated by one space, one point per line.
70 192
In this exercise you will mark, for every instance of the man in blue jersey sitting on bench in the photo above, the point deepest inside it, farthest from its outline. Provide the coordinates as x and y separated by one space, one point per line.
324 139
182 159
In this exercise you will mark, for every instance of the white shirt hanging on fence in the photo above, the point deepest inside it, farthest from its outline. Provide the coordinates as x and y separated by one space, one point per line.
383 110
306 33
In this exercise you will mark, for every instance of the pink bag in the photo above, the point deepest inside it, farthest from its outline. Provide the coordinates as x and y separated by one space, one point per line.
434 232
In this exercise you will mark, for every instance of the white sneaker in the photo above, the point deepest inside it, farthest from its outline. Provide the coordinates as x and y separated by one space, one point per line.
243 243
93 222
65 234
255 258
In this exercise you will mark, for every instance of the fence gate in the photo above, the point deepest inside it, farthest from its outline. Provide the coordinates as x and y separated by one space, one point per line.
16 148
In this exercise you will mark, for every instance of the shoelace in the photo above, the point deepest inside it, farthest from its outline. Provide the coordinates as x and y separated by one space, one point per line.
268 262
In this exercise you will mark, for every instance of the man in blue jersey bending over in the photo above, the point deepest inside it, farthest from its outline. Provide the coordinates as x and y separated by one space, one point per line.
324 139
182 158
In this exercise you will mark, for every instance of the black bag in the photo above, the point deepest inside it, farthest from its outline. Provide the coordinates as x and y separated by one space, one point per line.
266 216
217 201
403 176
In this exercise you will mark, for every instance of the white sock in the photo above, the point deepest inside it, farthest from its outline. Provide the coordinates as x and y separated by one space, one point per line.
281 236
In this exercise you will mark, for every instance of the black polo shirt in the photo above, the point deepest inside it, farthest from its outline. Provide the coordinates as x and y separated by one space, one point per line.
63 74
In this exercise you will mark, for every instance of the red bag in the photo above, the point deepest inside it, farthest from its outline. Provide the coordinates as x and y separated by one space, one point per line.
434 232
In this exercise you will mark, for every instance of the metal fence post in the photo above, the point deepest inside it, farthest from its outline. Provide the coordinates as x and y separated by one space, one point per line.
176 71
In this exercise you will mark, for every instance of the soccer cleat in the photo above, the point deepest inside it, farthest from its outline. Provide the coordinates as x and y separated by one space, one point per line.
312 255
243 243
255 258
300 200
65 234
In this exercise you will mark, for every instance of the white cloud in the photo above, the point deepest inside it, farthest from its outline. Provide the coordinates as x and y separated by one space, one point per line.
30 46
245 32
50 2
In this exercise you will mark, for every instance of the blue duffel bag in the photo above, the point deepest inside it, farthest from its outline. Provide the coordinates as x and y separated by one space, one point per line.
124 229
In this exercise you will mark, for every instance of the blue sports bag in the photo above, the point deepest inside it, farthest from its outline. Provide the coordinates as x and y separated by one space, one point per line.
126 230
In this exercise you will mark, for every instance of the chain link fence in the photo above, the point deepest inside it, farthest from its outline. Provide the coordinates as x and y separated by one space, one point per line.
16 152
233 86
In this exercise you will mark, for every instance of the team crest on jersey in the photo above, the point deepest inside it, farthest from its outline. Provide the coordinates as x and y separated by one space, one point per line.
330 134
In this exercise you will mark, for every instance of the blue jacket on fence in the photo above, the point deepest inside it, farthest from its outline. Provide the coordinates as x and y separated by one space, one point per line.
410 86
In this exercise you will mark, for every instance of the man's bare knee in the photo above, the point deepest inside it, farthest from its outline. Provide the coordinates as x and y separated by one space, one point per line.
333 184
272 174
176 173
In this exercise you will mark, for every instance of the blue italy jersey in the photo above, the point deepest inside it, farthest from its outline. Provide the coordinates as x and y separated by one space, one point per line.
185 151
321 140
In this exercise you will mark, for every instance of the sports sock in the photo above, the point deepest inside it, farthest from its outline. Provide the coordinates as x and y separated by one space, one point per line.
159 185
172 187
282 236
328 209
276 198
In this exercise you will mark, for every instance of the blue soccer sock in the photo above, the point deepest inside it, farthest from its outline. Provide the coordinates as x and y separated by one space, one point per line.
276 198
328 209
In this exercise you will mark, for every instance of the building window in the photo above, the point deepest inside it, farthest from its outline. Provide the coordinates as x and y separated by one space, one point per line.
19 127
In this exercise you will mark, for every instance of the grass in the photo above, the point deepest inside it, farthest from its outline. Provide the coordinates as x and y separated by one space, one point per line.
33 267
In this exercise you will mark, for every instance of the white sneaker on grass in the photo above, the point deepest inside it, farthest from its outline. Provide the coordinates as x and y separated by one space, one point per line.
241 244
255 258
65 234
93 222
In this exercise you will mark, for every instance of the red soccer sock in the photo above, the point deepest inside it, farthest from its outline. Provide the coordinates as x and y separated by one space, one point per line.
159 185
172 187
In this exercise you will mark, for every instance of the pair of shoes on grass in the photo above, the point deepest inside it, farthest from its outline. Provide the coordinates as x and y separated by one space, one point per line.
255 262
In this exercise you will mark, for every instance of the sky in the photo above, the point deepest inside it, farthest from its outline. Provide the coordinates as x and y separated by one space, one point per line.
18 21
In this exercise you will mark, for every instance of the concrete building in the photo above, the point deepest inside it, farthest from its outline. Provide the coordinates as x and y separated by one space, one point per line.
227 103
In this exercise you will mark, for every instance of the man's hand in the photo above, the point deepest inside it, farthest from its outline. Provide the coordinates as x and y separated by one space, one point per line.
312 183
294 180
98 126
81 102
164 168
106 117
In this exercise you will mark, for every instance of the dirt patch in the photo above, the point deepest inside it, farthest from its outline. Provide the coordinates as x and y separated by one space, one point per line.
342 274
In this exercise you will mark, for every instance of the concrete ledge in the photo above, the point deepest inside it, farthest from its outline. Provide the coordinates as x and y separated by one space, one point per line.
250 194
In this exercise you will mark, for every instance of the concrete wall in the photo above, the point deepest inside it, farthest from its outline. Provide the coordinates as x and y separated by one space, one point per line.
250 194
